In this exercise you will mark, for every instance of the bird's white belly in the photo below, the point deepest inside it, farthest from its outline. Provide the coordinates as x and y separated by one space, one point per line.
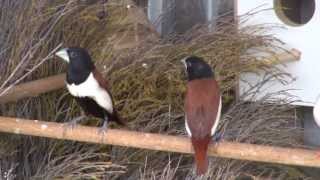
91 88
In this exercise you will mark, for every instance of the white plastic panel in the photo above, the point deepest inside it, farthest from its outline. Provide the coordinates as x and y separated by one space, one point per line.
305 38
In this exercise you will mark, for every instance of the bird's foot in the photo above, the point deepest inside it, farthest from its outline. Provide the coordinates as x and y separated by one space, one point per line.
103 129
217 137
72 124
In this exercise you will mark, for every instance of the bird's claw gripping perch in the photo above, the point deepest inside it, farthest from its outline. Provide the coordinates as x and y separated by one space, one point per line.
103 129
217 137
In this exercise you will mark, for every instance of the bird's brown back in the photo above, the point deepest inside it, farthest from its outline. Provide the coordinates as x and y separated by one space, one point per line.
201 106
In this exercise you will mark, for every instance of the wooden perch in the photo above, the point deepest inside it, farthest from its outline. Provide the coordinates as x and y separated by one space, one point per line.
34 88
273 56
241 151
284 57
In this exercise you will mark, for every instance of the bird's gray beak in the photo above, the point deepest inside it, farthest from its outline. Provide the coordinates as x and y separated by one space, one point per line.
63 54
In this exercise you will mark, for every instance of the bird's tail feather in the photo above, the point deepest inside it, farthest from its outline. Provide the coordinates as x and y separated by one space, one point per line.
200 147
115 117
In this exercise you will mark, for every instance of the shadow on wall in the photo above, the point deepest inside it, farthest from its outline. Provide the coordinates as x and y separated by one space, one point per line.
177 16
311 136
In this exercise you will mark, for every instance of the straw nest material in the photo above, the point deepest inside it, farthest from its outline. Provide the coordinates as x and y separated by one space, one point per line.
148 85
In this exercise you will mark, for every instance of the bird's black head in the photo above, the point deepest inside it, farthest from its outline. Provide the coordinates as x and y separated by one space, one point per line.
197 68
78 58
80 64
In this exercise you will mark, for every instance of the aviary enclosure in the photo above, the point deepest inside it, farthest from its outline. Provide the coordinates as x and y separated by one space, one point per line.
142 62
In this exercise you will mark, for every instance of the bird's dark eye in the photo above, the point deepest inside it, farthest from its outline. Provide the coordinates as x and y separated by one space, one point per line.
72 54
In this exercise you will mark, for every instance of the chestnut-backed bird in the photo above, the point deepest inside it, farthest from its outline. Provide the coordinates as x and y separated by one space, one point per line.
88 86
202 108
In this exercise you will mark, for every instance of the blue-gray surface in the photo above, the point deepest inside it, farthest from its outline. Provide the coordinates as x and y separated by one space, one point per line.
177 16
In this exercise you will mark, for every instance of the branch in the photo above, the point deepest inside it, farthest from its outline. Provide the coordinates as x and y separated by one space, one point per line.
284 57
33 88
241 151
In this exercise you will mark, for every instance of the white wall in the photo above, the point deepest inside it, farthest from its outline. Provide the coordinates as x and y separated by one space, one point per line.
305 38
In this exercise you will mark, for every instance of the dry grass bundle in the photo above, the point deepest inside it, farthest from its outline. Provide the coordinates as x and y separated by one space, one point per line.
147 84
61 161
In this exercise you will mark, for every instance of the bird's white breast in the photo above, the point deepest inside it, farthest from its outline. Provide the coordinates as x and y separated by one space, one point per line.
91 88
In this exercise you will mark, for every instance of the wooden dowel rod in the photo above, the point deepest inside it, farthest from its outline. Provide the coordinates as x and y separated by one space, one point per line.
33 88
284 57
289 156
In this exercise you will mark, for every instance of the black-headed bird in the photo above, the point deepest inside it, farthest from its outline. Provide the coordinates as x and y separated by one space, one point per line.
88 86
202 108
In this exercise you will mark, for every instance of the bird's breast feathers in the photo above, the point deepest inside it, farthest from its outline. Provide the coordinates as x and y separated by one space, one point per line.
91 88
